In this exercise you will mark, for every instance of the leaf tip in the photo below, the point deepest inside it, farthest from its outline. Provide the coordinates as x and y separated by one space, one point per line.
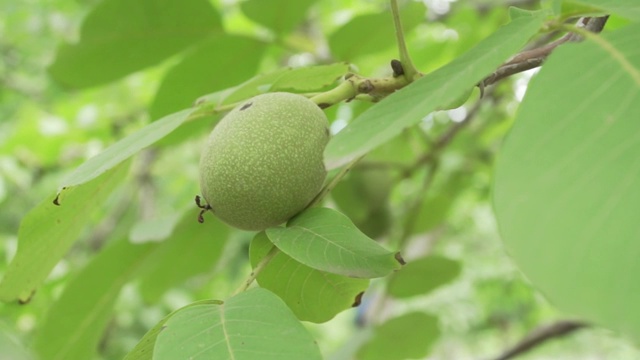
23 300
56 201
358 299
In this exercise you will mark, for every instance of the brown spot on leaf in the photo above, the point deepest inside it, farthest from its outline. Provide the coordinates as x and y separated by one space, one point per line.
246 106
56 201
324 105
23 301
399 258
358 299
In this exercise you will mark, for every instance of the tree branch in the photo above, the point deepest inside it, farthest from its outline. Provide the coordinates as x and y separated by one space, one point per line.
541 335
533 58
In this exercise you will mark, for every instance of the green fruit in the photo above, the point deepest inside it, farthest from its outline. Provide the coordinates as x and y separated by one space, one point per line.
263 163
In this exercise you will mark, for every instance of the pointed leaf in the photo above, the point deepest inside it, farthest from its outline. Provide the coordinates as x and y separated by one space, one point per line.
281 16
409 336
255 323
408 106
327 240
120 37
47 232
421 276
311 294
75 323
566 185
216 64
302 79
125 148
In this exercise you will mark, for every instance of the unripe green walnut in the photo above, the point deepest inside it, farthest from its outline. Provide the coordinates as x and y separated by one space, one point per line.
263 162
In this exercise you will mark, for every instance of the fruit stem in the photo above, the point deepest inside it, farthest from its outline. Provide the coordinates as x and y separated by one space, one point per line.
258 269
410 71
356 86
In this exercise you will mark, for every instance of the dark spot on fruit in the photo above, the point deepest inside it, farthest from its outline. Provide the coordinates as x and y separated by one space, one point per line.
400 259
246 106
326 131
358 299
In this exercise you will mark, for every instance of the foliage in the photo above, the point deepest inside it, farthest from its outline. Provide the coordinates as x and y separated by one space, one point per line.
108 103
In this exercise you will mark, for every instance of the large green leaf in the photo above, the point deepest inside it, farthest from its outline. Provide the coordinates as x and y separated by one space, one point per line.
411 104
281 16
75 323
215 64
311 294
566 184
193 248
371 33
253 324
120 37
406 337
327 240
125 148
626 8
421 276
144 348
47 232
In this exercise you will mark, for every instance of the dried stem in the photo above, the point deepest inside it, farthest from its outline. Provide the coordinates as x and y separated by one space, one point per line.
533 58
540 336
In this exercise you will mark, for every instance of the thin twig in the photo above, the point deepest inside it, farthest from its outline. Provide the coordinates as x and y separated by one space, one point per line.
258 269
443 140
541 335
533 58
409 70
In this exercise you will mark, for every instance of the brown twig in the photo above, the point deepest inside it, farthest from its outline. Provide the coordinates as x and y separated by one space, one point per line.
443 140
533 58
540 336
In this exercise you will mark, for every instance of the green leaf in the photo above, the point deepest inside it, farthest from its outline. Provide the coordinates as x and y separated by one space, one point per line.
515 13
47 232
565 191
215 64
326 240
411 104
281 16
255 323
371 33
311 294
409 336
297 80
144 348
193 248
125 148
433 212
120 37
75 323
629 9
421 276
